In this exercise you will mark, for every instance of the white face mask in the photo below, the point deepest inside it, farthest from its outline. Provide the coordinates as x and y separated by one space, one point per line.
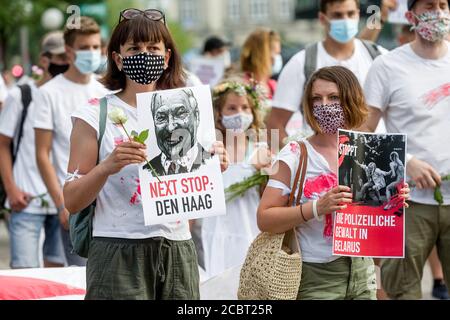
226 56
238 122
277 64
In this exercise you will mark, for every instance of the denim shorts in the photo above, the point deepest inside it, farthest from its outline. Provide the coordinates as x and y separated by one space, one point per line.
25 231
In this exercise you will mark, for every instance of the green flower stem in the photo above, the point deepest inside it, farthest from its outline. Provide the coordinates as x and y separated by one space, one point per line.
149 164
437 191
238 189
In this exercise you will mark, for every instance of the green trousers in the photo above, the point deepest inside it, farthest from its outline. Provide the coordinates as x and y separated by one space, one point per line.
149 269
426 226
342 279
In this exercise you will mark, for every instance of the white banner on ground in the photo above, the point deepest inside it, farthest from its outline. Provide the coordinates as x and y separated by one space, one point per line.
182 180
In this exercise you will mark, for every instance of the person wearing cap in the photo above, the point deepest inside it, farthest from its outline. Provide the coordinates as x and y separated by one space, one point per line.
32 208
410 88
215 47
56 101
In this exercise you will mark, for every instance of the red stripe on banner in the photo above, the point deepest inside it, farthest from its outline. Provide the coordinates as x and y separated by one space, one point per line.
22 288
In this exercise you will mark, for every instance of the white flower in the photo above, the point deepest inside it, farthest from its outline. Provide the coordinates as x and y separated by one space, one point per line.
117 116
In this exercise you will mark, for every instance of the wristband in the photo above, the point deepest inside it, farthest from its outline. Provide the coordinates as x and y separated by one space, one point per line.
316 215
60 208
301 212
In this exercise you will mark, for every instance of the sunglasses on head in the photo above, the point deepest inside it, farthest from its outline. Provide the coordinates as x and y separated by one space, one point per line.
152 14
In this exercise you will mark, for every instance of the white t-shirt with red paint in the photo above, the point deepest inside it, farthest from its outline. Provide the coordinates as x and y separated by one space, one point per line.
413 94
119 212
315 237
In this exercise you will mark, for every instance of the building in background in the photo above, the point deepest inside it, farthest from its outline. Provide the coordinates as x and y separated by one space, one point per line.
295 20
235 19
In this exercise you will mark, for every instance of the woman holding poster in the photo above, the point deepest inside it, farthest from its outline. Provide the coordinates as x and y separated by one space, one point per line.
333 99
128 260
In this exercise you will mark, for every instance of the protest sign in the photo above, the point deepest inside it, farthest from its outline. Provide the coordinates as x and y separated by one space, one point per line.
373 166
182 180
397 16
209 70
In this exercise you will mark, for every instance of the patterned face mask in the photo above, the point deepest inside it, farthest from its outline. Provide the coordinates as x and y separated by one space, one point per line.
329 117
143 68
433 25
238 122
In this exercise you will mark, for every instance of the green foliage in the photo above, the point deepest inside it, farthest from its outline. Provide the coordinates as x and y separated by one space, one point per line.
140 137
438 193
183 39
239 189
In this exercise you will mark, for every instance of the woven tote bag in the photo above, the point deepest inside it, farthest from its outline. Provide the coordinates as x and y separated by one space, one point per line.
273 266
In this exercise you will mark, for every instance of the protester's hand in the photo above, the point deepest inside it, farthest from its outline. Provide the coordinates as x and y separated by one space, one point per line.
262 158
423 175
219 149
382 295
336 199
18 200
124 154
405 194
64 218
386 6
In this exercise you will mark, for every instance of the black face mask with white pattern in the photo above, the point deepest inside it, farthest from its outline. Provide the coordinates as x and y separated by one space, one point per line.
143 68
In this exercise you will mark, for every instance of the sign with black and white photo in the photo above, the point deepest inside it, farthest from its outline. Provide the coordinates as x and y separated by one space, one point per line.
373 166
181 180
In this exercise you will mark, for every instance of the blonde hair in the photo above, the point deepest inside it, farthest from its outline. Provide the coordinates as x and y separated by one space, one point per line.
256 57
220 96
88 26
351 96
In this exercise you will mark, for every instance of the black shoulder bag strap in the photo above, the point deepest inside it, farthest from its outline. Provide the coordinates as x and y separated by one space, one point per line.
102 123
25 91
310 61
310 64
372 48
101 128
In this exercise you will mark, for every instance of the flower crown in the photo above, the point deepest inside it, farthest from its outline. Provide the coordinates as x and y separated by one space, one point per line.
254 91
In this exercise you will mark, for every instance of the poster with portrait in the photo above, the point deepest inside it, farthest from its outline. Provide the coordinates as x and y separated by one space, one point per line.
373 166
209 70
182 179
397 16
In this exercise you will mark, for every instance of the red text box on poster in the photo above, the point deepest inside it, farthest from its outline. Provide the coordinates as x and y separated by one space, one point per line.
364 231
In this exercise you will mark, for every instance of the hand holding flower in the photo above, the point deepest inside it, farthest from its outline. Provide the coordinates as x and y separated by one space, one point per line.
126 155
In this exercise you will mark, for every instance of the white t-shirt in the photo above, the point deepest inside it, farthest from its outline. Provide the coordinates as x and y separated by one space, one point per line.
226 238
119 212
25 171
289 93
56 101
414 95
3 90
319 179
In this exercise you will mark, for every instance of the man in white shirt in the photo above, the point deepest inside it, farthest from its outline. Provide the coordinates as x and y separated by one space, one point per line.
57 100
27 197
410 88
340 19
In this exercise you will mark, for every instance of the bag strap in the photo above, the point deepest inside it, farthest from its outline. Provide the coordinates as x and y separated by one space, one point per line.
372 48
25 91
102 123
299 175
290 239
101 129
310 61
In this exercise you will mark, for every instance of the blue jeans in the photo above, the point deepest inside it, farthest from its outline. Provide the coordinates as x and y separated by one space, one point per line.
25 231
71 257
